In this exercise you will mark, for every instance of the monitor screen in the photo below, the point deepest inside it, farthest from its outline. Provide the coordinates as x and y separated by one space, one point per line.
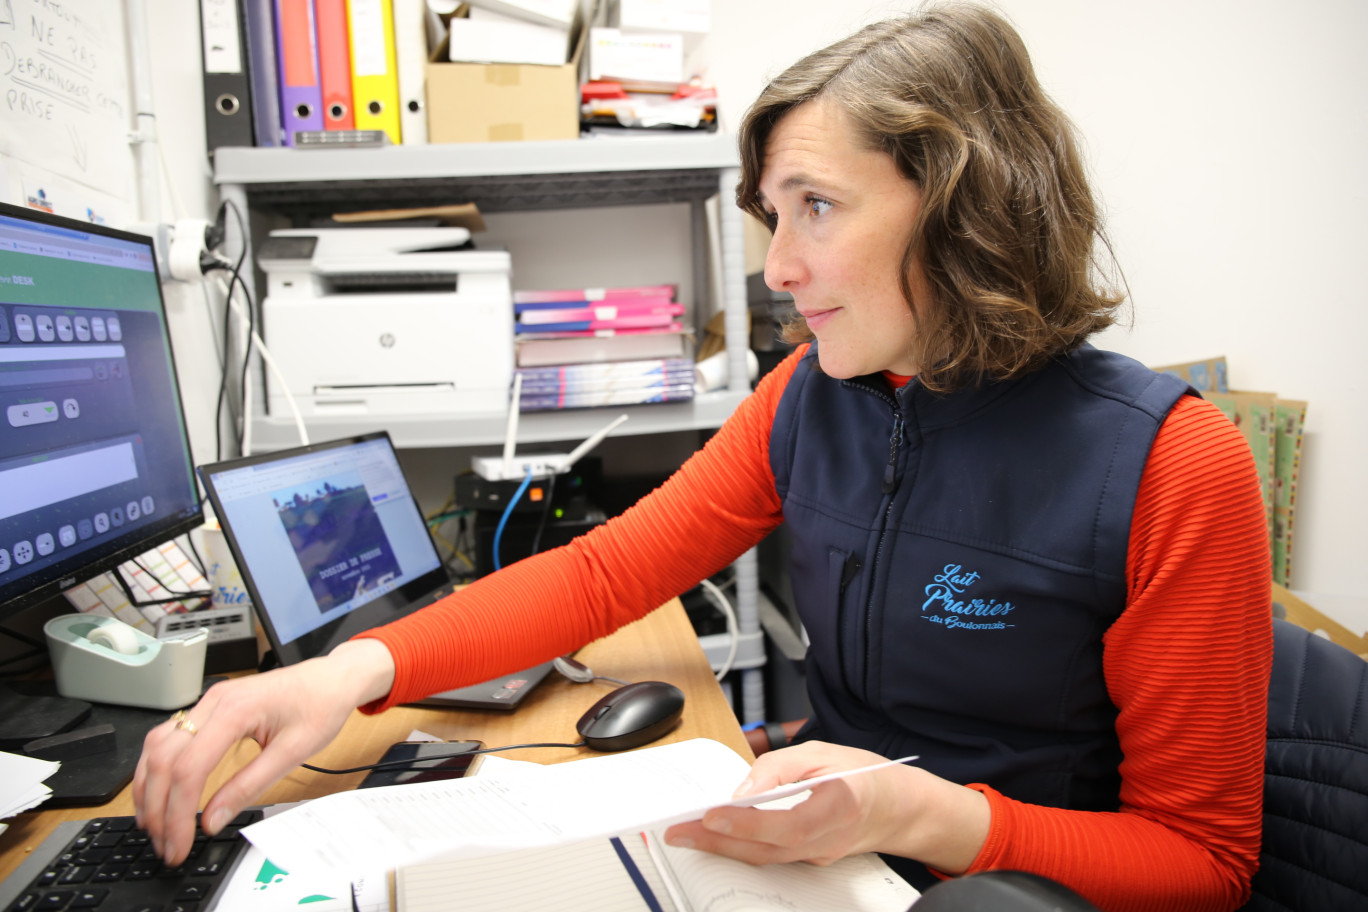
95 462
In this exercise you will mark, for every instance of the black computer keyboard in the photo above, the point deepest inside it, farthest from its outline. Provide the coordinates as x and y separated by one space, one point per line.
109 866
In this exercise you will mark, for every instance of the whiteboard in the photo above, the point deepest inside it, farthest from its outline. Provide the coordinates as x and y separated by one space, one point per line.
65 112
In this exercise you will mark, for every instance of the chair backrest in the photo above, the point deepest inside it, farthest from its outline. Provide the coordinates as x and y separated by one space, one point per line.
1315 825
1001 891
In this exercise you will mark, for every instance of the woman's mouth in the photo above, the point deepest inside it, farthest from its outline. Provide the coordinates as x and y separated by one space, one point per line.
817 318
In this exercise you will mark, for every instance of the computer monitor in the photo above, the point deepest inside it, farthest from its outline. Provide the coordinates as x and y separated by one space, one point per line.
95 461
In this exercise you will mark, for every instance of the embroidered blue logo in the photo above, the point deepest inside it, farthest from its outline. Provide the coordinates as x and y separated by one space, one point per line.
944 595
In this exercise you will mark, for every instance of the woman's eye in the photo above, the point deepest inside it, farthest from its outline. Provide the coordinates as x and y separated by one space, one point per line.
816 205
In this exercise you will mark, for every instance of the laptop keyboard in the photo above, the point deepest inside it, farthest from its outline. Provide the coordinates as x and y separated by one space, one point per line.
109 866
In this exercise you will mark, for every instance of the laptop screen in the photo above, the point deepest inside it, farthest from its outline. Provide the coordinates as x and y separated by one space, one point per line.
328 538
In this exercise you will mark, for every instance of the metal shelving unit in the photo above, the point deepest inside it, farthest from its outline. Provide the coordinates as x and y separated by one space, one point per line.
511 177
519 177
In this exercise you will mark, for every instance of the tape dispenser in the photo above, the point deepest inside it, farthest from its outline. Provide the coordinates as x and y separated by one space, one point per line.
107 661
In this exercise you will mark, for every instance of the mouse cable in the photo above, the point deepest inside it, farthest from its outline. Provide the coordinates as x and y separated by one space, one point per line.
416 764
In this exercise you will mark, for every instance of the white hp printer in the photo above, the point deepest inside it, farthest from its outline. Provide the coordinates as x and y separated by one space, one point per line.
387 321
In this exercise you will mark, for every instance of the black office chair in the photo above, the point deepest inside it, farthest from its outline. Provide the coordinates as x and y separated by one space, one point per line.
1315 826
1001 891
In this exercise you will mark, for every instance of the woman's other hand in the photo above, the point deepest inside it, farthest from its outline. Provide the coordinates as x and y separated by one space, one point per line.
898 810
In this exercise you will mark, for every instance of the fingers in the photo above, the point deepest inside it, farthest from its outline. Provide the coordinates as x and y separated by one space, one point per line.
291 712
802 761
178 757
694 835
760 837
275 760
831 823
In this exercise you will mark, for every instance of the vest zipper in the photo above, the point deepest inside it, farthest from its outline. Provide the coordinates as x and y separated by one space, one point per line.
890 484
890 476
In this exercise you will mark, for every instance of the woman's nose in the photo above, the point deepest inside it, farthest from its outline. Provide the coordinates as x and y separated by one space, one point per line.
783 268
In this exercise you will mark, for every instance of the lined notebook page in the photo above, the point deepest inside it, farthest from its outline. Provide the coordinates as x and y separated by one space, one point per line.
589 877
580 877
860 883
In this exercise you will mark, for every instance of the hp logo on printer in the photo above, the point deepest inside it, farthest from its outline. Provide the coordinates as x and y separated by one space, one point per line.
387 340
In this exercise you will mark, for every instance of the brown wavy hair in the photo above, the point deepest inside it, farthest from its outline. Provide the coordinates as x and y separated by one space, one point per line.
1005 235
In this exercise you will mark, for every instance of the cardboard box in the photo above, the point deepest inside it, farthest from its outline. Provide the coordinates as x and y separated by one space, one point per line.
1253 414
1203 376
1273 428
1290 415
503 102
1300 613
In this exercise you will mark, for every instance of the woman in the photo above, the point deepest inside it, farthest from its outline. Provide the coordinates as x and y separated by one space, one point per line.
1040 567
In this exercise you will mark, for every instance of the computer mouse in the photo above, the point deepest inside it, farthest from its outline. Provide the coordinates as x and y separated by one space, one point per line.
631 716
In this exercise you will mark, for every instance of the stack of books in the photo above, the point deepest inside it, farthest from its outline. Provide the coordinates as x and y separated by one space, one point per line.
587 347
606 383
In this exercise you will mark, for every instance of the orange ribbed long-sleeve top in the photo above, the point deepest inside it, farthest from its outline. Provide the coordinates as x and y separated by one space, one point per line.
1186 664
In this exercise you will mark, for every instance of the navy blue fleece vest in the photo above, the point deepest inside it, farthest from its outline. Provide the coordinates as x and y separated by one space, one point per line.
957 559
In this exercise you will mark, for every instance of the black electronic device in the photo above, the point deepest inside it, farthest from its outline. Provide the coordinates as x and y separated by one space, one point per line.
424 761
522 533
548 512
95 460
631 716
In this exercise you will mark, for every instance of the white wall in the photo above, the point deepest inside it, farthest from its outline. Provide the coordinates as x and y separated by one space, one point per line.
1226 142
1224 138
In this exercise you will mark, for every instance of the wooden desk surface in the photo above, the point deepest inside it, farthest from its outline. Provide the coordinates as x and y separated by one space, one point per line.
661 647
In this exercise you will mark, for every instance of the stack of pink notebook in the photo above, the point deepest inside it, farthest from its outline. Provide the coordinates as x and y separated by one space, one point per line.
587 347
588 325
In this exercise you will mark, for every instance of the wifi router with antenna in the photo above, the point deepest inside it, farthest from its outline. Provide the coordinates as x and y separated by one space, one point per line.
510 467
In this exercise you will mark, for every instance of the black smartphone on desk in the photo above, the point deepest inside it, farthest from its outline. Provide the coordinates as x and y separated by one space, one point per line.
425 761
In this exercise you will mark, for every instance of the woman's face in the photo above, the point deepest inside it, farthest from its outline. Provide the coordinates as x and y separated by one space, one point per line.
842 217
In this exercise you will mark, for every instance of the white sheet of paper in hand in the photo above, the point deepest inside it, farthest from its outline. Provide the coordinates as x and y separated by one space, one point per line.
600 796
776 794
803 785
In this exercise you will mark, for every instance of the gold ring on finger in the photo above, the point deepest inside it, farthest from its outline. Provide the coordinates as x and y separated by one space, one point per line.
183 722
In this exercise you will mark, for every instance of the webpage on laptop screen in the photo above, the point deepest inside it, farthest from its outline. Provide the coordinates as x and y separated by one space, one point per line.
324 533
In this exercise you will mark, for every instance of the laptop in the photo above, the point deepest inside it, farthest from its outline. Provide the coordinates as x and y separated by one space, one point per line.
330 542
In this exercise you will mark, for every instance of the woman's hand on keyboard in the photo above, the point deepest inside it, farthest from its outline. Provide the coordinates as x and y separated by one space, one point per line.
291 712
